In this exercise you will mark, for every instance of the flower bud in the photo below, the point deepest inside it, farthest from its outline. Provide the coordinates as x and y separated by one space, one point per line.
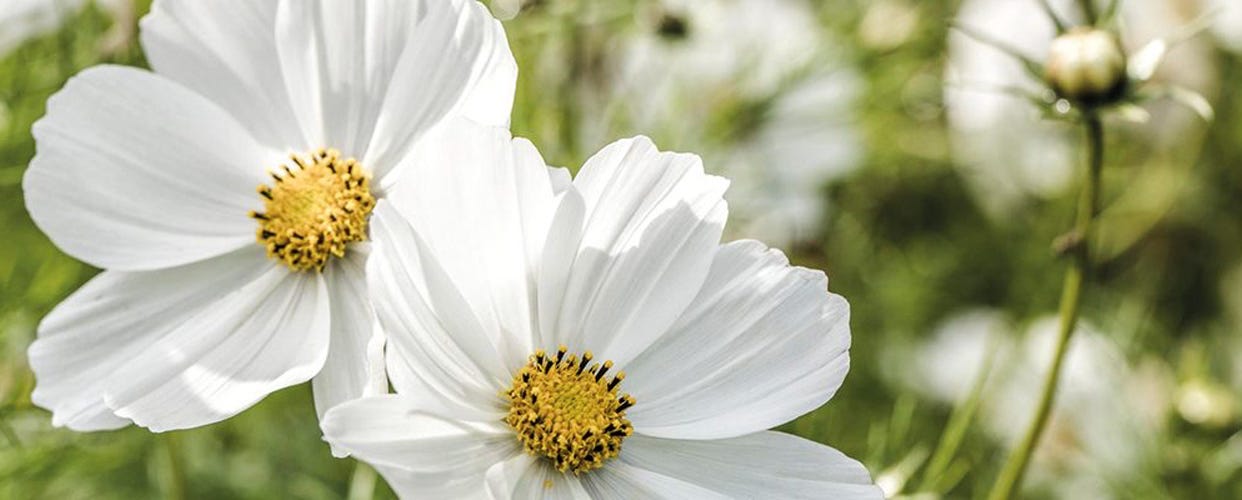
1086 65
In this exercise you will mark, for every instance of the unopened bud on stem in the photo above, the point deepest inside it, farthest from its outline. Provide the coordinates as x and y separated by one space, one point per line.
1086 65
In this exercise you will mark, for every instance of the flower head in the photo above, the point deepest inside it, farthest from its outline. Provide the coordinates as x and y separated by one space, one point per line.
1086 65
228 195
591 338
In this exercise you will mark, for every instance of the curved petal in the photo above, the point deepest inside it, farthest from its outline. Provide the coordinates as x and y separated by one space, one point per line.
349 372
226 51
117 321
369 78
483 202
619 481
135 172
762 344
437 349
526 476
247 341
651 223
761 465
421 455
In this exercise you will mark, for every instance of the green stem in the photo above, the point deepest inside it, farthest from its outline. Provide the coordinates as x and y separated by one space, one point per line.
8 432
176 468
362 485
958 425
1089 10
1011 475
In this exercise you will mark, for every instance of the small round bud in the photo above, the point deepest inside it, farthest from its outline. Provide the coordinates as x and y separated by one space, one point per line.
1086 65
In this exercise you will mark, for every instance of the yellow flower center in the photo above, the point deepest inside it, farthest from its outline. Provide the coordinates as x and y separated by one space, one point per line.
564 408
315 208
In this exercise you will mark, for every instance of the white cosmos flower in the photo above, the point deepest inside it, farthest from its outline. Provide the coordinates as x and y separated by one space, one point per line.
213 294
495 271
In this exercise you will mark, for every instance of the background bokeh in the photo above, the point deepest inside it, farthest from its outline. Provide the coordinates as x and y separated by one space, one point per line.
863 138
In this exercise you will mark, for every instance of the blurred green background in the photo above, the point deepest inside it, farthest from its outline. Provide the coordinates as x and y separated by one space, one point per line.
855 146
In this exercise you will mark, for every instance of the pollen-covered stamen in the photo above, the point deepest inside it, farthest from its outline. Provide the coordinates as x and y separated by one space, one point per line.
317 205
565 408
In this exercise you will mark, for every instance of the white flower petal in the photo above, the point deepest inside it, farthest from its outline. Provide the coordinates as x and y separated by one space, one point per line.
493 80
561 248
526 476
761 465
249 340
348 373
226 51
619 481
370 77
135 172
421 455
437 349
112 319
762 344
561 180
498 196
127 331
652 223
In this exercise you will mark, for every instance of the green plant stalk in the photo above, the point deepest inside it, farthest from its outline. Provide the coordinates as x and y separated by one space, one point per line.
959 423
177 487
1071 294
1089 10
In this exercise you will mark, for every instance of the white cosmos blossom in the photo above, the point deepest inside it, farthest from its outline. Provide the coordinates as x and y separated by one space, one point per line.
758 83
497 266
152 176
1007 150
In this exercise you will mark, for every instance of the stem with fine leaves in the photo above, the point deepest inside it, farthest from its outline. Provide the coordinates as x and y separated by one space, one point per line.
1015 468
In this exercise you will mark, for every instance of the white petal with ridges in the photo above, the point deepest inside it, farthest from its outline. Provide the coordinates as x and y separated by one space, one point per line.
651 223
348 372
111 320
252 339
762 344
369 78
135 172
620 481
422 455
499 194
526 476
754 466
226 51
437 349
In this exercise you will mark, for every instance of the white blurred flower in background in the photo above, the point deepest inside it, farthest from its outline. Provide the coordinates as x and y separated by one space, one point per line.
1008 152
21 20
757 84
1227 23
1108 416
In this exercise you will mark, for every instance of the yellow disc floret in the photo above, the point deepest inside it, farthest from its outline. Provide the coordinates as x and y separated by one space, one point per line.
315 208
564 408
